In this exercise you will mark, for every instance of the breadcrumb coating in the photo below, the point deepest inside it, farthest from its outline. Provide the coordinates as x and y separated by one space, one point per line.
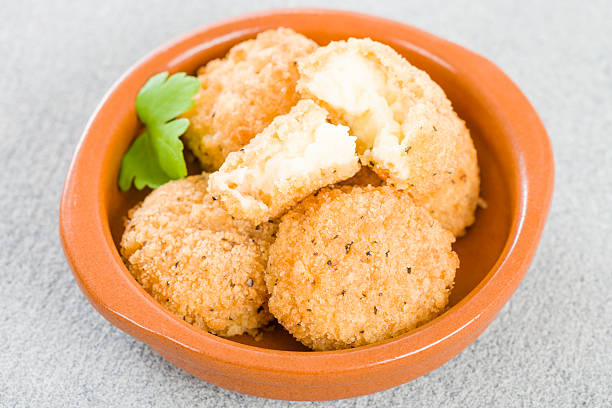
197 261
294 156
357 265
243 92
364 177
407 130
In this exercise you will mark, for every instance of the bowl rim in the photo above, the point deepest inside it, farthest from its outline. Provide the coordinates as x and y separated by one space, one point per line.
83 224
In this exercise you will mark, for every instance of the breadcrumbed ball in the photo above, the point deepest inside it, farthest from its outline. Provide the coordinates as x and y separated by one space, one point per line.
242 92
407 129
356 265
197 261
297 154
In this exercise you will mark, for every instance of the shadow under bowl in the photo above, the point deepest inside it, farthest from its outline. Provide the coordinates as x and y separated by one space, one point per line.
516 167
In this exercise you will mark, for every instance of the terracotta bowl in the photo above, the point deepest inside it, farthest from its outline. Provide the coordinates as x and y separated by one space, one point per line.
517 180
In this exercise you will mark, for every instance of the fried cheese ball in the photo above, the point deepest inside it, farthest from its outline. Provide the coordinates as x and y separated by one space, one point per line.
357 265
197 261
297 154
407 129
242 92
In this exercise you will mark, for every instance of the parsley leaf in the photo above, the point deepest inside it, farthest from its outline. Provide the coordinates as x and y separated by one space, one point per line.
156 156
162 99
141 165
169 148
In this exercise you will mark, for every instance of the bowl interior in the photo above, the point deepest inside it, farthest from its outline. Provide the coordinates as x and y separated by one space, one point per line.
478 250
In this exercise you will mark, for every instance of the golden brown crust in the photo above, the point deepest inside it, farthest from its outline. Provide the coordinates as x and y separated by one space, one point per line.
407 130
364 177
196 260
242 92
356 265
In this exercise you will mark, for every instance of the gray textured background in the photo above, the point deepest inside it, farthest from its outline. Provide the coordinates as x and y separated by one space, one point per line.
550 345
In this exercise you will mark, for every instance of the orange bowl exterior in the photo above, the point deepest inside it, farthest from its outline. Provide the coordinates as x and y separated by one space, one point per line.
517 171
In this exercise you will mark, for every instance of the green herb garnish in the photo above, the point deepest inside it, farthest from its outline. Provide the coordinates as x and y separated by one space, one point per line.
156 156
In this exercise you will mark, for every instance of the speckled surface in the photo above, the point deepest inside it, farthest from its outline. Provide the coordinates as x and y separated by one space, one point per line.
550 345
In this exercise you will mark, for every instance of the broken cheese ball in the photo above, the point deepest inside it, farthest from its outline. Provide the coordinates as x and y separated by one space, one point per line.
407 130
297 154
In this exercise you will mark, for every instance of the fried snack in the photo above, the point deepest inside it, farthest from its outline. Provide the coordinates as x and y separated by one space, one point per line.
356 265
406 127
296 155
242 92
197 261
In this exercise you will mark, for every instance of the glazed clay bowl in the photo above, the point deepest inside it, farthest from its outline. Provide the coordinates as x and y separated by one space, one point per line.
517 179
